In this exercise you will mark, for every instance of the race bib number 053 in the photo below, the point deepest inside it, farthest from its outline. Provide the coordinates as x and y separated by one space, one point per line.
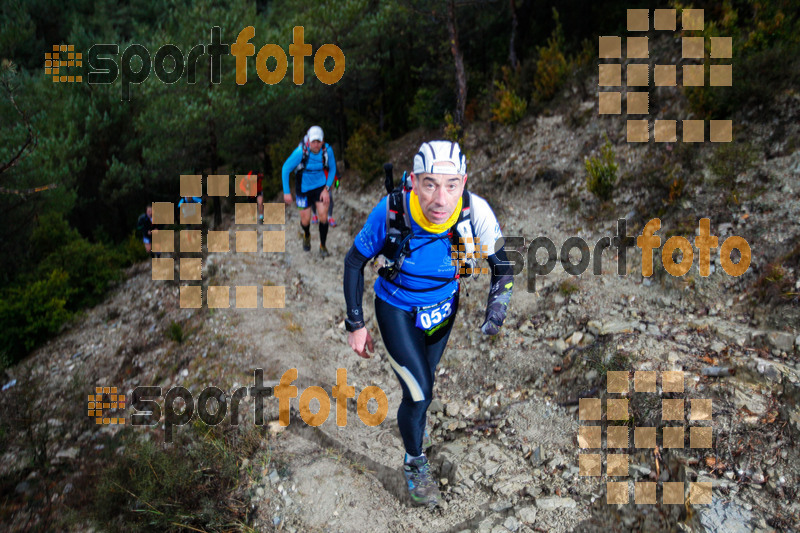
432 316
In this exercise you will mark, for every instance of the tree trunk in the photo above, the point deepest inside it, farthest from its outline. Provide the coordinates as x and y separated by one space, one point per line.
212 155
342 127
512 52
461 75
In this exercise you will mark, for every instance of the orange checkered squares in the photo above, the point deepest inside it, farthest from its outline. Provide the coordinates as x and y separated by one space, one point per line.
103 399
53 62
194 241
246 185
590 464
468 248
638 19
617 492
645 493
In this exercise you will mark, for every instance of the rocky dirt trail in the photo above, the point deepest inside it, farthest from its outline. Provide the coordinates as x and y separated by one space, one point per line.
505 418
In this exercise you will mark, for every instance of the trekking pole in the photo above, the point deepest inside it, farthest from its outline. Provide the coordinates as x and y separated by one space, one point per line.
388 181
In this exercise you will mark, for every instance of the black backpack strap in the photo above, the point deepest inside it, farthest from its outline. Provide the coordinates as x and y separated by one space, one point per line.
470 247
398 225
398 233
298 171
466 213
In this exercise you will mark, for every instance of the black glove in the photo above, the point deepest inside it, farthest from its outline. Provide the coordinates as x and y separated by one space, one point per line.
495 315
499 293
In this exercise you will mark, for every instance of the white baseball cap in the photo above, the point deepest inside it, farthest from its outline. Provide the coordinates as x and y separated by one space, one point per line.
314 134
440 157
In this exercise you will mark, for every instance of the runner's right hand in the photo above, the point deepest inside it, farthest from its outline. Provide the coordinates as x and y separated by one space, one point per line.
287 199
361 342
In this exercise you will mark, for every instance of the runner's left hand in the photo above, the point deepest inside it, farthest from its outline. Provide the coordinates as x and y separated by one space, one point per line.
495 315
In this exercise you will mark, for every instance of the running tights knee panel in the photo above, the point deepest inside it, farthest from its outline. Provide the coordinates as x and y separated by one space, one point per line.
414 357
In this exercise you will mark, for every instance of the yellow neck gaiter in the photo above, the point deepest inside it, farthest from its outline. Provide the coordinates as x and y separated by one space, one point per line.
430 227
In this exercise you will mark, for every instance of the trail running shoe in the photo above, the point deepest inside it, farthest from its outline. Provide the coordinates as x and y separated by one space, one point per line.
331 222
323 252
315 219
421 485
306 243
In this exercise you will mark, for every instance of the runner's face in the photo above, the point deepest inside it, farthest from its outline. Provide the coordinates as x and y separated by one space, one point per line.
438 194
315 146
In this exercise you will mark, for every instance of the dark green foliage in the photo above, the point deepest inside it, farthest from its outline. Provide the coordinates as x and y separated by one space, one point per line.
281 148
71 273
731 159
766 56
427 109
108 156
90 267
29 314
132 250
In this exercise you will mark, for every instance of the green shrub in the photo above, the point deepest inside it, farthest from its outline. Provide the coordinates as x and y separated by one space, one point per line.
30 314
71 274
602 172
731 159
51 232
551 65
509 108
367 152
131 250
568 287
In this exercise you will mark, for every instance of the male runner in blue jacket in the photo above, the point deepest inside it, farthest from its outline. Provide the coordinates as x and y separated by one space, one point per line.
417 293
309 161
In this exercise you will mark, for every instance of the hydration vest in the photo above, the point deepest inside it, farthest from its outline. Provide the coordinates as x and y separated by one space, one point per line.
398 238
298 170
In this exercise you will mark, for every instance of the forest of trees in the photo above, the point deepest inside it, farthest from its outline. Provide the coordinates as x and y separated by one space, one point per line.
409 64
